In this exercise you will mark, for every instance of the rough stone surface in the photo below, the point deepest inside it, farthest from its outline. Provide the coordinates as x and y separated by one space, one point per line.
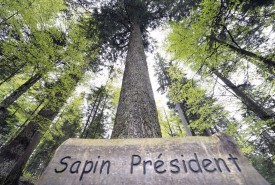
189 161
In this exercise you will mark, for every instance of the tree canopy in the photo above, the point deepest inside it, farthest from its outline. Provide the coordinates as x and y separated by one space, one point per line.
224 40
60 62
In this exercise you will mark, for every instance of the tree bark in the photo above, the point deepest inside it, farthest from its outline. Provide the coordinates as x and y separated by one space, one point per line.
250 103
9 100
136 115
14 155
183 120
269 62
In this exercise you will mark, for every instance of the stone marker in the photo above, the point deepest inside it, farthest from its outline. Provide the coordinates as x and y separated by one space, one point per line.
187 161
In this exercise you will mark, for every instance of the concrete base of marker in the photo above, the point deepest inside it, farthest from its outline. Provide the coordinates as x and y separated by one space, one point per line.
211 160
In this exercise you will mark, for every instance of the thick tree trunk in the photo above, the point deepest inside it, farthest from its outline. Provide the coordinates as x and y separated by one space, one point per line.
9 100
4 131
136 115
250 103
14 155
45 150
270 63
183 120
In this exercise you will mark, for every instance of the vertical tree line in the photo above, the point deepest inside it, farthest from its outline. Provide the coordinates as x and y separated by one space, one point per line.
220 40
54 60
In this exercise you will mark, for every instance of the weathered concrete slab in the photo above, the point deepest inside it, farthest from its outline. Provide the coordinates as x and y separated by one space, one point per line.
188 161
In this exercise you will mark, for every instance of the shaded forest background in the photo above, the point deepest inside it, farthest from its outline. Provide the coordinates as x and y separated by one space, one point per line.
60 72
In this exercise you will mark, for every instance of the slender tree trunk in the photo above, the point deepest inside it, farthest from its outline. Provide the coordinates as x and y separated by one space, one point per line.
183 119
14 155
136 115
43 153
9 100
27 120
269 62
250 103
171 133
12 74
178 125
89 117
100 118
94 117
4 132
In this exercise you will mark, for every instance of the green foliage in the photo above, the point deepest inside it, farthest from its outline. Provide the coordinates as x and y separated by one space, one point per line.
265 166
189 43
203 41
53 45
68 125
29 12
170 124
192 38
101 103
203 111
47 37
28 33
115 99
